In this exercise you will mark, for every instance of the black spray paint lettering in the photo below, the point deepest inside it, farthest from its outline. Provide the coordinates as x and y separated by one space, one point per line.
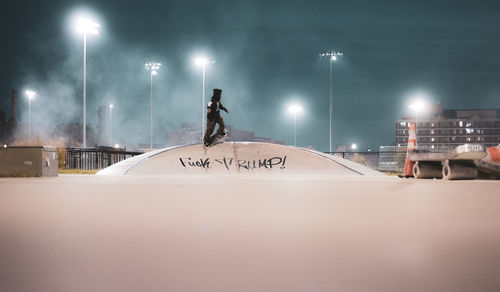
198 163
266 163
241 164
225 161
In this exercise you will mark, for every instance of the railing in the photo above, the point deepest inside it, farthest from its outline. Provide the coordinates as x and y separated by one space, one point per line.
369 159
95 158
391 158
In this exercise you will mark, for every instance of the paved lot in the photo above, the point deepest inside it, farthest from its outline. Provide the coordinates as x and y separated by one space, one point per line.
237 233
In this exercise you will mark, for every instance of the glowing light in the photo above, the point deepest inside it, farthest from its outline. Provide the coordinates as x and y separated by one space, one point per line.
30 94
111 105
4 145
153 67
332 54
295 109
203 61
417 105
85 25
117 146
354 146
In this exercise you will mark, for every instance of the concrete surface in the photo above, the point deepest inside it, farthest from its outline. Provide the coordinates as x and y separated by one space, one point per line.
236 157
248 233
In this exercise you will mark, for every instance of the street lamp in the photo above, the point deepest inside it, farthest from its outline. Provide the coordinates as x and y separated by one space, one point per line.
203 62
110 122
153 68
333 56
85 26
295 109
31 95
417 106
354 146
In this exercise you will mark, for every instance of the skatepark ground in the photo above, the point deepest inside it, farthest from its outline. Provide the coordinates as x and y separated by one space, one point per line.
248 233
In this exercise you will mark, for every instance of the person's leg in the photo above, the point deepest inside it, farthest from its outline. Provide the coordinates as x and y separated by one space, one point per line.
210 129
220 130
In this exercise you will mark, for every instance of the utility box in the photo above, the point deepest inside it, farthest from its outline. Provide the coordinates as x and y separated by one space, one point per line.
25 161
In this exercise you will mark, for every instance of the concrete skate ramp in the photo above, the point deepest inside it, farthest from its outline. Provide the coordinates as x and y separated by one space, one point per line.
236 157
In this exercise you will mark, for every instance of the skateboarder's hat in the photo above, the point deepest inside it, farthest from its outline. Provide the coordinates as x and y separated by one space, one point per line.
217 91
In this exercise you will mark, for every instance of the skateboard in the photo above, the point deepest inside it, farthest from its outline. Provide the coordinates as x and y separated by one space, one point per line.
213 140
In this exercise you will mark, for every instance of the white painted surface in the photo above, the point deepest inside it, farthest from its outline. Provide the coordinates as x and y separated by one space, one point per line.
237 157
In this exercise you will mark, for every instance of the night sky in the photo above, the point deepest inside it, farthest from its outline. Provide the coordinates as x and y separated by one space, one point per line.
267 55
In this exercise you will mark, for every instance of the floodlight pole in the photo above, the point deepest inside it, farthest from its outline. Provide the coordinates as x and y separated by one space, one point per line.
86 26
29 119
152 67
151 113
84 90
416 131
331 101
203 103
295 128
333 56
31 95
110 123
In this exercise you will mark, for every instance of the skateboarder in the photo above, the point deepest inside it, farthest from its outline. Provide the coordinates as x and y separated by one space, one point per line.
214 117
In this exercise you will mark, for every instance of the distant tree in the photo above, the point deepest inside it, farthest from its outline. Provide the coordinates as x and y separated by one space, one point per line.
359 159
72 134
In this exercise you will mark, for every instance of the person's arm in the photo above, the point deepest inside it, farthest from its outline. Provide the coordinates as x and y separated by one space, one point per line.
223 108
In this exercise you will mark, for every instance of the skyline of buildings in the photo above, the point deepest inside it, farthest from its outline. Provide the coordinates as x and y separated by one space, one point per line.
439 127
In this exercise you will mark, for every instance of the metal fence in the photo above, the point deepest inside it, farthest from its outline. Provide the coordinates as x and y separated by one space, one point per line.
94 158
392 158
369 159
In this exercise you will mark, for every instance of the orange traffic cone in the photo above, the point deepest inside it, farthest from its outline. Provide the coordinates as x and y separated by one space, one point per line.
494 153
412 145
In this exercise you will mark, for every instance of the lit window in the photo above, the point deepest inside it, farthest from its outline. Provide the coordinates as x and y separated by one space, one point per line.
432 146
468 139
402 124
432 131
432 139
469 124
432 125
461 123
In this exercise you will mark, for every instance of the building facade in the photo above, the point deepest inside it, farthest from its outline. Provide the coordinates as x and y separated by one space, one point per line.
439 128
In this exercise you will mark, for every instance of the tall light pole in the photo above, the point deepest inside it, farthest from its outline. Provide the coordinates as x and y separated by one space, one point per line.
85 26
333 56
417 106
110 122
31 95
295 109
153 68
203 62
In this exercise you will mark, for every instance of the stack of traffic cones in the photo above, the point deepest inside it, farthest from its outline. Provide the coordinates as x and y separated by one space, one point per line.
412 145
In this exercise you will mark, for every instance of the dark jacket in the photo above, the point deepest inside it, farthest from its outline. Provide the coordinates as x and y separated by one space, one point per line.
215 106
